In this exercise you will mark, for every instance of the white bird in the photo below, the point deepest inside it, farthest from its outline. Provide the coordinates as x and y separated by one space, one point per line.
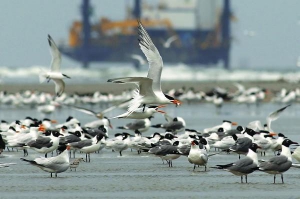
75 163
197 156
167 43
54 72
55 164
274 116
139 58
149 88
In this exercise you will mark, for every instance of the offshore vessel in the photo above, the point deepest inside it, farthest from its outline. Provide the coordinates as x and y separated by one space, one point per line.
199 29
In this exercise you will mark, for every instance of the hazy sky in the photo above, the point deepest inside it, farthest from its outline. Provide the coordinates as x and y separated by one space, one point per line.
25 25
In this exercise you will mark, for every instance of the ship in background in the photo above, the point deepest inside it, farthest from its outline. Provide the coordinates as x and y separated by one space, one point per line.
200 28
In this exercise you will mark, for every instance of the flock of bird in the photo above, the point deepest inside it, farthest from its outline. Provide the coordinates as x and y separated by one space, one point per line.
175 141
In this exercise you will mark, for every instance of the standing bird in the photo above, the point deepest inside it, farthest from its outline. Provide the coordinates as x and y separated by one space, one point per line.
176 125
88 146
244 166
57 164
140 125
75 163
196 155
149 88
279 164
54 72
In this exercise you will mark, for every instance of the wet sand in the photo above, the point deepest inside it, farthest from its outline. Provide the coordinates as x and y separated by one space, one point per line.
167 85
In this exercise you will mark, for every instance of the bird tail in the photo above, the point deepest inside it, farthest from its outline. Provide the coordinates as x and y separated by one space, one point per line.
120 127
223 166
42 76
30 161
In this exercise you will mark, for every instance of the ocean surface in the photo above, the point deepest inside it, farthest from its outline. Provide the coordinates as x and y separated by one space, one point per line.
176 72
144 176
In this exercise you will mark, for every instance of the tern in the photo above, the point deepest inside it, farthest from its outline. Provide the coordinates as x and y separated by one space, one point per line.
55 164
54 72
279 164
149 88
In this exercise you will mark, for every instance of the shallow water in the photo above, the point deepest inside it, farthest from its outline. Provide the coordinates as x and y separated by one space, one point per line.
144 176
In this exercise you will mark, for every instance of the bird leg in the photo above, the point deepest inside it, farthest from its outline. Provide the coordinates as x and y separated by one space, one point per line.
282 178
144 106
25 152
120 153
239 156
89 155
194 167
51 175
242 179
205 167
274 178
86 158
246 179
45 155
56 175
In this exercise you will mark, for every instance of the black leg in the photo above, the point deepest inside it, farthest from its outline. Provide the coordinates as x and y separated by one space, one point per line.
89 157
56 175
120 153
241 179
205 167
51 175
194 167
246 179
45 155
274 178
239 156
144 105
282 178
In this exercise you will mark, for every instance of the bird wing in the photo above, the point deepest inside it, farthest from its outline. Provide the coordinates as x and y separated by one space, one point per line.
59 86
168 118
255 125
40 142
56 56
139 58
170 40
274 116
154 59
81 144
145 89
84 110
275 163
137 124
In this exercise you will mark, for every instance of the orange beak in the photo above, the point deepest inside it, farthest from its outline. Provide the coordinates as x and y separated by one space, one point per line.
234 123
23 127
42 128
163 112
176 102
272 133
110 126
53 121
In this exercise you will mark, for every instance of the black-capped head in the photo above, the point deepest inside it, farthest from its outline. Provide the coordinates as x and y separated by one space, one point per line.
18 122
170 136
102 128
226 121
281 135
77 133
220 129
64 127
176 143
175 119
99 137
288 142
203 141
118 134
12 128
69 118
56 133
239 128
254 147
137 132
194 142
250 132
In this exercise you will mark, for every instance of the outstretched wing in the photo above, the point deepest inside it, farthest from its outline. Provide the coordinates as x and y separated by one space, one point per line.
59 86
56 57
153 57
274 116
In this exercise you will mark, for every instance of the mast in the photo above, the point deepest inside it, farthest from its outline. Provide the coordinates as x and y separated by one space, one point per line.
226 32
86 31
